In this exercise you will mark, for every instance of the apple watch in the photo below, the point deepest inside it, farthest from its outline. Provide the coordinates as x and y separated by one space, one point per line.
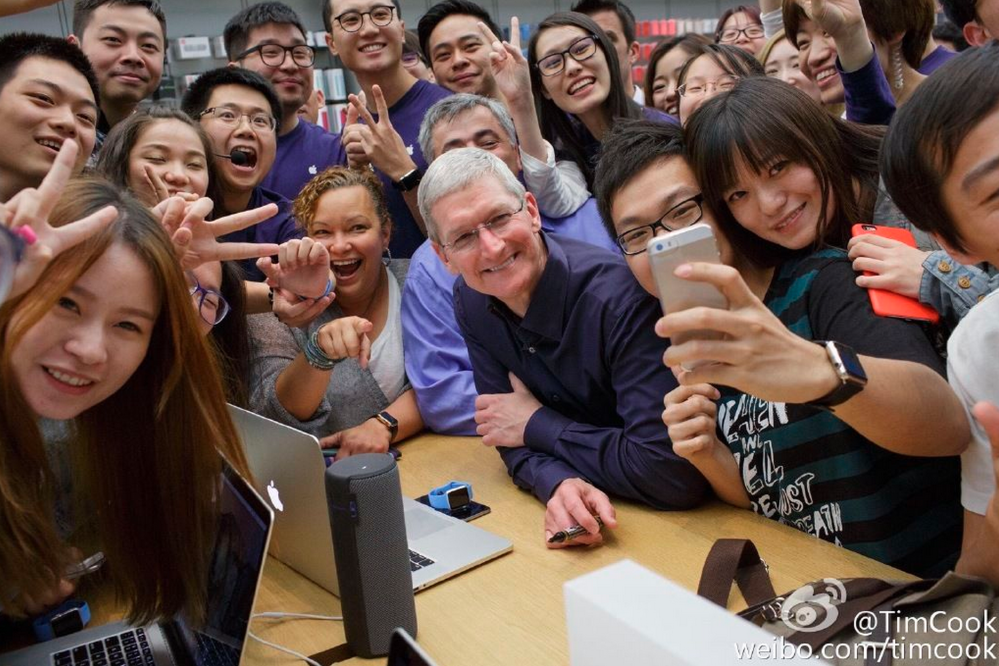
389 422
409 182
851 374
451 496
67 618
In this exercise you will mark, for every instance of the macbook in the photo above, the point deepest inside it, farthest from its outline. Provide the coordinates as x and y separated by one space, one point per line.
289 469
240 547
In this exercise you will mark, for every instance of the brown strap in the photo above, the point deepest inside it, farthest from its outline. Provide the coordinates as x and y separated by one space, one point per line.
735 560
333 655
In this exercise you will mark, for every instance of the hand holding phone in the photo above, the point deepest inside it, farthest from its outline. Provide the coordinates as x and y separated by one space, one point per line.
884 302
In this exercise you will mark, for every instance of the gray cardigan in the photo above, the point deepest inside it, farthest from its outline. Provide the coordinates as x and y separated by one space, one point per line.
352 395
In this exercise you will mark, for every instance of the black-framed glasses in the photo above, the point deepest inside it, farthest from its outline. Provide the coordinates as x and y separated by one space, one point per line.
498 226
580 50
231 117
11 250
698 88
274 55
730 35
380 15
687 212
212 307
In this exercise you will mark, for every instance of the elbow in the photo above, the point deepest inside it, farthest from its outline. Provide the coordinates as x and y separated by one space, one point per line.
686 489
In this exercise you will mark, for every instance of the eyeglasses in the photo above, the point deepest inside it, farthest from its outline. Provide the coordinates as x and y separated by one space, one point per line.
580 50
498 226
231 117
274 55
211 306
11 248
410 58
723 83
684 214
730 35
380 15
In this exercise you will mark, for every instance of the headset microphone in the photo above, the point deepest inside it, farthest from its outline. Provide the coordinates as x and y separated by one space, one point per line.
237 157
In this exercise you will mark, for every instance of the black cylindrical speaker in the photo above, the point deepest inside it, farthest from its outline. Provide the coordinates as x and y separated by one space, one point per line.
371 551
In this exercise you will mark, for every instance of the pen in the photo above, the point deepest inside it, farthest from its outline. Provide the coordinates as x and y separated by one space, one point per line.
563 536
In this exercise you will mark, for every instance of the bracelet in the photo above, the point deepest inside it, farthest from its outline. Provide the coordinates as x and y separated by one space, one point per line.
315 356
329 288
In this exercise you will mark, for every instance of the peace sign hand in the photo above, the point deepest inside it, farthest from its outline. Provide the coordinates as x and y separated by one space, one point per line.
27 214
510 68
195 239
378 141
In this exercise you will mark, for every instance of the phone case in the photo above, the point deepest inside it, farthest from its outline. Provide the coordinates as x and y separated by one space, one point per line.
887 303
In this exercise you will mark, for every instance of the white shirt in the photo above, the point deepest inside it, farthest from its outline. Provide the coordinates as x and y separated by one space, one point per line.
386 363
639 95
560 187
973 372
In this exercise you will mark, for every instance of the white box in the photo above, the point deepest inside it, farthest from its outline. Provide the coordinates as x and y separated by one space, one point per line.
336 87
192 48
626 614
218 47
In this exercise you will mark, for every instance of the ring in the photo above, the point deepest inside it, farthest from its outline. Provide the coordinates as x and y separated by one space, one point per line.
27 233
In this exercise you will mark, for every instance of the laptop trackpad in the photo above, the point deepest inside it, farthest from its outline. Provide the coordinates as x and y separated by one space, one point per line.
420 523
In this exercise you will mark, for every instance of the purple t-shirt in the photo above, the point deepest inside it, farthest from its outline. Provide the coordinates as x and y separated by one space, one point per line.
406 115
278 229
301 154
940 56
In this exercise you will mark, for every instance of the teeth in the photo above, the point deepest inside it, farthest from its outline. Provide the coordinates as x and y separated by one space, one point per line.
66 379
346 262
50 144
371 47
245 150
501 266
581 84
825 74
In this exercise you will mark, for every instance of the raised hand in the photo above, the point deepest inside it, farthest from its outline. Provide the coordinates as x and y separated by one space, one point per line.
27 215
303 268
195 239
837 17
346 337
356 157
378 141
510 68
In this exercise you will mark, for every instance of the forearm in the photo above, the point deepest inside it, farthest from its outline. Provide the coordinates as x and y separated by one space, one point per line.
405 411
978 550
300 388
257 297
414 208
907 408
525 121
721 470
854 48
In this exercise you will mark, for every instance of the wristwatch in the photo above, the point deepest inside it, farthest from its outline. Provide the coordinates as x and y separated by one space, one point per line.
389 422
851 374
409 182
69 617
451 496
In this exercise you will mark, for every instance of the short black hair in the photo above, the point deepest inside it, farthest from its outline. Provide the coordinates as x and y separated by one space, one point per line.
948 32
960 12
925 136
17 47
623 11
196 98
328 14
237 30
83 9
440 11
628 149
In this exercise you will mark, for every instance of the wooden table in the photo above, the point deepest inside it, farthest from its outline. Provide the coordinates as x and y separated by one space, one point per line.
511 610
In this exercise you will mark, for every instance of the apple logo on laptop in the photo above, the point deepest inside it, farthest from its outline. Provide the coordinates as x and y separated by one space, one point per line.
275 496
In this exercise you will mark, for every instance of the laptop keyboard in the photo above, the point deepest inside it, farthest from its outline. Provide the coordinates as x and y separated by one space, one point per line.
215 653
417 561
129 648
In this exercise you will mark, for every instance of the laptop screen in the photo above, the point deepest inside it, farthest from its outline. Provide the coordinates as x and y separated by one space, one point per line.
236 561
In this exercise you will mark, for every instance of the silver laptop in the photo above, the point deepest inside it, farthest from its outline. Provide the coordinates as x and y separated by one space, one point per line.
289 469
240 547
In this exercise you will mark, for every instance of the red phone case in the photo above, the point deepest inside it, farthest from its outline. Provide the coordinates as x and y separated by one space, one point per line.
887 303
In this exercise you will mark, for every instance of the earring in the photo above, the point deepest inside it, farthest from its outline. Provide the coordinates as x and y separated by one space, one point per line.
896 67
387 257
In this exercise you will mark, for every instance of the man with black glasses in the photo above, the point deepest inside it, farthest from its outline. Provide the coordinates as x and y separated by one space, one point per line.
368 37
269 39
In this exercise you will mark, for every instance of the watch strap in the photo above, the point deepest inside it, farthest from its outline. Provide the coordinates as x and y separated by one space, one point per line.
67 618
408 182
439 496
389 422
851 382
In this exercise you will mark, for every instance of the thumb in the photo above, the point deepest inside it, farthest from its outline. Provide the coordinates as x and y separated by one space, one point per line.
330 441
351 115
267 267
517 385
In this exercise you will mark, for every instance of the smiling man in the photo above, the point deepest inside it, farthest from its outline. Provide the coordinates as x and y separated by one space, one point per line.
457 49
564 356
125 41
48 95
269 39
240 113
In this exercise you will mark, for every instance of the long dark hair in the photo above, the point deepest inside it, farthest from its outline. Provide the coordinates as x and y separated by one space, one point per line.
691 43
230 338
762 119
556 125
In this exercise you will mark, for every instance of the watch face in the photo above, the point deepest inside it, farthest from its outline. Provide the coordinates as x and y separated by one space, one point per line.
458 497
851 363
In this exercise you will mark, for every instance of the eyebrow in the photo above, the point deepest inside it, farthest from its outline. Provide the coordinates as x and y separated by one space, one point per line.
163 146
979 172
58 90
141 35
237 107
138 312
672 199
268 42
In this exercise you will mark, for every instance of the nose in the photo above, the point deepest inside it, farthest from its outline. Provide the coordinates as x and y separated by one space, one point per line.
490 244
131 54
571 66
87 343
64 121
368 26
244 128
176 173
338 243
772 199
459 59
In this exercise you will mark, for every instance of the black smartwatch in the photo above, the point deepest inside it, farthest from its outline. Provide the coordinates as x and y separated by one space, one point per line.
851 374
389 422
409 182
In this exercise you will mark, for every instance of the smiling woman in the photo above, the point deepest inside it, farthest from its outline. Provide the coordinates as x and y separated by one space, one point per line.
111 343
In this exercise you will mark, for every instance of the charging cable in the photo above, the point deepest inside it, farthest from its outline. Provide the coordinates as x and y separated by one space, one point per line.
289 616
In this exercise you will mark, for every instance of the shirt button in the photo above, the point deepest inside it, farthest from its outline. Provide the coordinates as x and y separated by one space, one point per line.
532 350
945 267
964 282
981 297
555 398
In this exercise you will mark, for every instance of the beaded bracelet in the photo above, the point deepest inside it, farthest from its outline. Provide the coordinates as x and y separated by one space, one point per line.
315 356
329 288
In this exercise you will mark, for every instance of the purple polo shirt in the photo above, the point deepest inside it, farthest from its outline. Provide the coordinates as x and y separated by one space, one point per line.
940 56
301 154
278 229
406 115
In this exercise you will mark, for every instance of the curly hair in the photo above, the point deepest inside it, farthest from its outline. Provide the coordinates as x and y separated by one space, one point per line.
336 178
